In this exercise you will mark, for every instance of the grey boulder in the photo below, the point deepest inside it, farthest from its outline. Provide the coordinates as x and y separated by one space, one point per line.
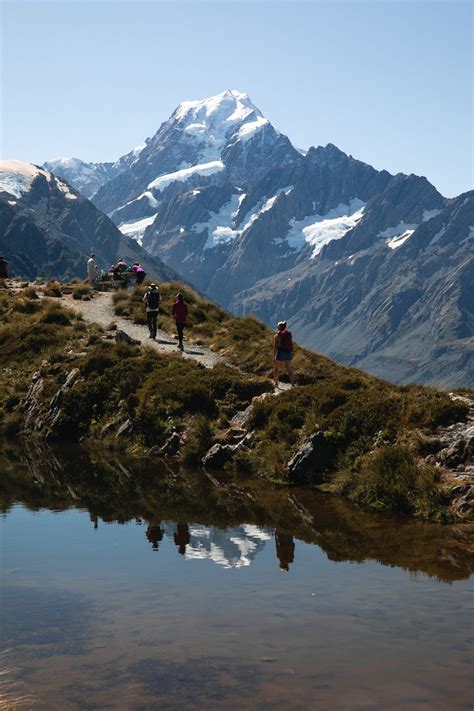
312 460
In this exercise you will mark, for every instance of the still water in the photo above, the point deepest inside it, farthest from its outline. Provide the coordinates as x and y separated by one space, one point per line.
142 587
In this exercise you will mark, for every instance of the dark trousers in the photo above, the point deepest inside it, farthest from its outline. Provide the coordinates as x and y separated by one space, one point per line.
151 317
180 329
140 277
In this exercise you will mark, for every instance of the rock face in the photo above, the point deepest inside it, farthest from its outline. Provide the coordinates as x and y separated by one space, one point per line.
454 458
374 270
314 458
172 445
217 456
43 417
122 337
48 229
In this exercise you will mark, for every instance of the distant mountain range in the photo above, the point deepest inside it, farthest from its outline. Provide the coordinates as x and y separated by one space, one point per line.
47 228
373 269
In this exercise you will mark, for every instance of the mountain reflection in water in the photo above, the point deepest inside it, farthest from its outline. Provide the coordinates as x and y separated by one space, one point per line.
227 520
231 548
172 596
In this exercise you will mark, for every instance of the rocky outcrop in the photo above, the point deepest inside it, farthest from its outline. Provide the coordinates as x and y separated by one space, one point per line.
122 337
218 456
313 459
453 455
43 417
172 445
125 429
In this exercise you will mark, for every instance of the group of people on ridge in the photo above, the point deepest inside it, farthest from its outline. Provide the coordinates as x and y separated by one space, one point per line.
118 270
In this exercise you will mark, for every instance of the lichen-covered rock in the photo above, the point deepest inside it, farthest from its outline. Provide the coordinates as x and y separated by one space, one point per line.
122 337
217 456
240 418
234 435
457 453
172 445
125 429
313 459
40 416
32 405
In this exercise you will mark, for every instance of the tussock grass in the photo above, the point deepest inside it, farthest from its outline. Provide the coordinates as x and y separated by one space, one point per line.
79 291
392 478
53 288
198 440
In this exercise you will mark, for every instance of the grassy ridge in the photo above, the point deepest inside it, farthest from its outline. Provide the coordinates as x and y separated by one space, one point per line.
378 430
245 342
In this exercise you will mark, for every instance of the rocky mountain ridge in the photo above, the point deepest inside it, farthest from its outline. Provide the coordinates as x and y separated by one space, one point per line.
47 228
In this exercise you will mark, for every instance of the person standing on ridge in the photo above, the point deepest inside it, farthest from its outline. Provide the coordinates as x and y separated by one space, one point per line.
180 312
92 269
283 352
4 268
152 300
140 273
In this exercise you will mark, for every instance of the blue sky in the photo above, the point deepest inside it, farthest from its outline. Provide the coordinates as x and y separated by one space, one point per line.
389 82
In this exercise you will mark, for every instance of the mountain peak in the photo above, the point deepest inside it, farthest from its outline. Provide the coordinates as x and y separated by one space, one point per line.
16 176
231 105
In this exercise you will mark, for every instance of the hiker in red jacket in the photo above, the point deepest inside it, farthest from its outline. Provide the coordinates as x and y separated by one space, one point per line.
283 352
180 312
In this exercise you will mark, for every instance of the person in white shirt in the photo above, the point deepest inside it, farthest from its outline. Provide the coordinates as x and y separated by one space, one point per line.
92 269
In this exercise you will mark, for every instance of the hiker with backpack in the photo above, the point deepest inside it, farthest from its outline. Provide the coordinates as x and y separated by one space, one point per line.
283 352
152 301
180 312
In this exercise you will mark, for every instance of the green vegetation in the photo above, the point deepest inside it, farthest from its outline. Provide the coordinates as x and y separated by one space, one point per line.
392 478
377 429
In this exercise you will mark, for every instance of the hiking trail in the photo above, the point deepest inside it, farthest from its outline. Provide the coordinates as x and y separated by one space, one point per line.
100 310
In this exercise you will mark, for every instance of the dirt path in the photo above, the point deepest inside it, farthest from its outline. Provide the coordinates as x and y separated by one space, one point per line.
101 310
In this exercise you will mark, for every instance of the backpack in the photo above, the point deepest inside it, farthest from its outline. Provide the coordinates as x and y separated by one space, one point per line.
285 341
153 300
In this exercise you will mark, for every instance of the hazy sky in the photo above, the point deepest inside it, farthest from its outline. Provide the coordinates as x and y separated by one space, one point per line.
388 81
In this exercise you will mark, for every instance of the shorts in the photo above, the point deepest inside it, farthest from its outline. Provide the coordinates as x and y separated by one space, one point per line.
283 355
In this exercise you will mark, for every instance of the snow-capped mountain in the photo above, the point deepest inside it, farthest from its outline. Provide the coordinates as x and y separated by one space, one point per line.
223 197
87 178
48 229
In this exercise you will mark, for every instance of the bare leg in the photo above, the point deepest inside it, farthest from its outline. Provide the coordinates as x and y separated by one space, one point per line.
277 372
290 370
